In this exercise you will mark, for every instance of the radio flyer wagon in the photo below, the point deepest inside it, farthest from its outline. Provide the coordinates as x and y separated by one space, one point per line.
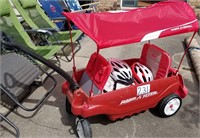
164 92
85 95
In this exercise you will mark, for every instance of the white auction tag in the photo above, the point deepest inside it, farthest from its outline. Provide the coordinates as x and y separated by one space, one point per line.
143 89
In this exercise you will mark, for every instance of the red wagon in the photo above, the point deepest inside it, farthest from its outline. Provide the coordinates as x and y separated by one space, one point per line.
164 92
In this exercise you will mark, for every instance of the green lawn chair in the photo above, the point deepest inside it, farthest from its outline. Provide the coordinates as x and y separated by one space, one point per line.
35 17
10 24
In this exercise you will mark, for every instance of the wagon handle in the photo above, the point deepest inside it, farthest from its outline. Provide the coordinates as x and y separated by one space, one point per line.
73 85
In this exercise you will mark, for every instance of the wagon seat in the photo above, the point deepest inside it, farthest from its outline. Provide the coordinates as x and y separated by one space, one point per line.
156 59
96 74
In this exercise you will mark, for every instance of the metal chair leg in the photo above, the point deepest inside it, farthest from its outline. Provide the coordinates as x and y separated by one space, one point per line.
2 117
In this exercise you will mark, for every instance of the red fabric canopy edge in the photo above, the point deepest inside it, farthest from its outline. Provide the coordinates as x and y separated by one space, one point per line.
158 20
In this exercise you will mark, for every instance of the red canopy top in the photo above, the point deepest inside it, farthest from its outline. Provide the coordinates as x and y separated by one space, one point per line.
141 24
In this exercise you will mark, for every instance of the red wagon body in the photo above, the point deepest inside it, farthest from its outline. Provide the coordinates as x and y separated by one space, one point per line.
123 102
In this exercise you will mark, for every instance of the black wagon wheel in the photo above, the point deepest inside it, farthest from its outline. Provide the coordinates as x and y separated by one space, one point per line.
82 128
169 105
68 106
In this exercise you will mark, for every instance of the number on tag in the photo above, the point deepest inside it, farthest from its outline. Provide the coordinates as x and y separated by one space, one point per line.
143 89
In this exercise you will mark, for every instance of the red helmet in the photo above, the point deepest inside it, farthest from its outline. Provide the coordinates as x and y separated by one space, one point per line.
141 73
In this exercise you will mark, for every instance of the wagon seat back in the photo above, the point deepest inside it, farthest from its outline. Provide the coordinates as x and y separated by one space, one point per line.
96 74
156 59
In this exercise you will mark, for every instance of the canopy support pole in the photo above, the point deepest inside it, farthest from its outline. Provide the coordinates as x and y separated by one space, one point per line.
187 47
72 46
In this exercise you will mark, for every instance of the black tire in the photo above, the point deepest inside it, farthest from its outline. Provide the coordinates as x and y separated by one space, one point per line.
82 128
68 106
169 106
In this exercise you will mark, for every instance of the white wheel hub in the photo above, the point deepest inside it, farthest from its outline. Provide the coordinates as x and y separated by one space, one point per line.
172 106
